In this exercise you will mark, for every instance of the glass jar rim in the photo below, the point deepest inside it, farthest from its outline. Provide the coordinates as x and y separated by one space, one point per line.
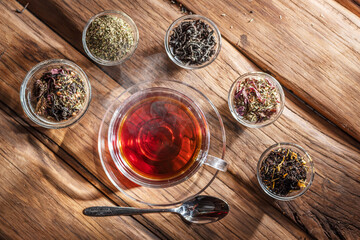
286 145
280 92
26 105
189 17
124 16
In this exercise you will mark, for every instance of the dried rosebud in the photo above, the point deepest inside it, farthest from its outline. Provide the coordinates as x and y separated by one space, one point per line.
241 110
59 94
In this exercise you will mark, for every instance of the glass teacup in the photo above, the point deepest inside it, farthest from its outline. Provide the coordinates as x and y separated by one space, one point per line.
159 137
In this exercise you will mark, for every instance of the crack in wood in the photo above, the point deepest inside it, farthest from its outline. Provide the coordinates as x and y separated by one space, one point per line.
182 8
21 11
76 166
3 52
110 74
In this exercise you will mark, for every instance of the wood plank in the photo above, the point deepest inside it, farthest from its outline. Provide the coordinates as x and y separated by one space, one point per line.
83 146
352 5
238 217
312 47
229 227
302 126
110 194
42 197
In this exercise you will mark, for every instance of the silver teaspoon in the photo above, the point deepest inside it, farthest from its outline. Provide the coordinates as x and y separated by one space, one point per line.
201 209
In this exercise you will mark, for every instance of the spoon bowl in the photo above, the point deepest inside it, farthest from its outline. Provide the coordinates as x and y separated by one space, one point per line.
200 210
203 209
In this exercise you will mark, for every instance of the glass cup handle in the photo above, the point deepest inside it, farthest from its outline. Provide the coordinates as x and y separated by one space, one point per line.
216 163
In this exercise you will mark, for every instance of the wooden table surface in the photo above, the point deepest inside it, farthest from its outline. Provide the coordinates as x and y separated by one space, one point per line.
312 47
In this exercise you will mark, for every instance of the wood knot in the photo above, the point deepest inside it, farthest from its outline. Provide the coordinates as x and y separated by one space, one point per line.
243 40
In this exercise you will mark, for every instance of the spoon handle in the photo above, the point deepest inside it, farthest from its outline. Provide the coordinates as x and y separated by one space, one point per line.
116 211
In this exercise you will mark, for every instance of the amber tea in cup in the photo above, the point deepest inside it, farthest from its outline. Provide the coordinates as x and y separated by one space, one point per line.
158 137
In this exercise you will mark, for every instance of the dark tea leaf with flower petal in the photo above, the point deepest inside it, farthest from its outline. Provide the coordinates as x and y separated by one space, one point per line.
284 171
59 94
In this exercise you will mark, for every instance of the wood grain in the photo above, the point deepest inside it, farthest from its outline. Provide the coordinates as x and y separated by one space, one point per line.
81 145
42 197
312 47
352 5
337 167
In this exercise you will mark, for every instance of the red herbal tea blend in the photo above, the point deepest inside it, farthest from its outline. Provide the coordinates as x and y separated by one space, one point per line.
256 99
159 135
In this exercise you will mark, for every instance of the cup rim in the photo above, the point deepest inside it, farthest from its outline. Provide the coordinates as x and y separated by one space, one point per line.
165 197
141 180
284 145
280 91
189 17
26 105
125 17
